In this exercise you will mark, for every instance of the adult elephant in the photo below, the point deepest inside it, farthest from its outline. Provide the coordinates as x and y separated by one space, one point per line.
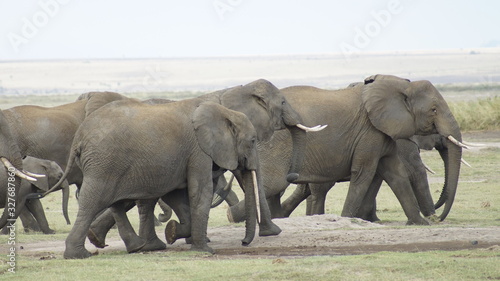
47 132
359 143
268 111
128 150
32 214
11 158
409 154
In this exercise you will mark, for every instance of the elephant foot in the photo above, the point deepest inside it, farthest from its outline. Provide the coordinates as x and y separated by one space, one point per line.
419 221
202 248
189 240
76 253
269 229
97 241
434 218
170 234
49 231
136 245
154 244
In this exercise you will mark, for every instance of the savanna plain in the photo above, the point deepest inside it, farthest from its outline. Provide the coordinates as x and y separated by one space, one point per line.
466 246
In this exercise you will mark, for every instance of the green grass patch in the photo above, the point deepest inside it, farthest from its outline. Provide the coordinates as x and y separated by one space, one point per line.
483 114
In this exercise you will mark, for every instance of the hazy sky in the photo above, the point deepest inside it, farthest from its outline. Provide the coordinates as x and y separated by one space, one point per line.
61 29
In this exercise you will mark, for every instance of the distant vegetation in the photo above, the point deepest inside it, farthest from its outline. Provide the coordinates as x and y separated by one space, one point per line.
483 114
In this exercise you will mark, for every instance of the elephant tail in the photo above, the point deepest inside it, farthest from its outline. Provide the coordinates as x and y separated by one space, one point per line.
69 165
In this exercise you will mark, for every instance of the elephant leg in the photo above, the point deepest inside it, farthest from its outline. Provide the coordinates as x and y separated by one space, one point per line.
28 221
35 207
147 226
274 203
200 191
102 224
266 226
237 213
132 241
300 194
368 209
363 170
179 201
318 197
91 202
393 172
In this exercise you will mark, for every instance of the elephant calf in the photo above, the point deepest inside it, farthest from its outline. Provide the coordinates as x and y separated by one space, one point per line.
32 214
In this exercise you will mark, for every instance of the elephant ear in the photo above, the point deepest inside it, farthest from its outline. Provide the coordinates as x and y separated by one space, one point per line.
37 166
388 107
216 134
98 99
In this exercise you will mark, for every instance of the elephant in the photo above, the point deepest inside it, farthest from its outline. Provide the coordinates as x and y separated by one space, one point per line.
47 132
11 199
359 143
128 150
33 215
408 152
268 111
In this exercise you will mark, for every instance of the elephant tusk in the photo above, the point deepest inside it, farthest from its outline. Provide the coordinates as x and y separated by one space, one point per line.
312 129
428 168
18 173
453 140
33 174
474 144
256 190
465 162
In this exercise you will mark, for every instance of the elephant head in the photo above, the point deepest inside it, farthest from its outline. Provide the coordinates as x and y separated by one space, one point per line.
400 109
230 139
268 110
53 173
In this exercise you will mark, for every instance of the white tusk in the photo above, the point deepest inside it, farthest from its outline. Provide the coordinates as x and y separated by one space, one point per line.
312 129
256 190
428 168
18 173
474 144
465 162
453 140
33 174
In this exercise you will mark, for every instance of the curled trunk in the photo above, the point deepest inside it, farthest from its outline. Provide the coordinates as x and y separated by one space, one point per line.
452 157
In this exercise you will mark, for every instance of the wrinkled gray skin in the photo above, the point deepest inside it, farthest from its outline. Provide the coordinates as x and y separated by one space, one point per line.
408 152
128 150
359 142
47 132
268 111
10 150
32 214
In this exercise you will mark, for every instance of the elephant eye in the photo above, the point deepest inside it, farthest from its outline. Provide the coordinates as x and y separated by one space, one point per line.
434 110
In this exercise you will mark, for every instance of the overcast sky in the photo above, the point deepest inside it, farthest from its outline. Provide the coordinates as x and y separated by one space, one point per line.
62 29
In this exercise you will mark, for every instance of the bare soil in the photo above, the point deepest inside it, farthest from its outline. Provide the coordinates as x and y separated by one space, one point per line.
316 235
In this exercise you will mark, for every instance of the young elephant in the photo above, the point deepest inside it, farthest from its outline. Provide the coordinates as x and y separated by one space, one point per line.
359 142
128 150
32 214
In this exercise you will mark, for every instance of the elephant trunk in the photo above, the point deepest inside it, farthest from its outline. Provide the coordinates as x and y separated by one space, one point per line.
452 159
65 199
246 180
298 152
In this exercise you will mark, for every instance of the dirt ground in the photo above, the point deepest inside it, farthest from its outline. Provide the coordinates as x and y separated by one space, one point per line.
327 234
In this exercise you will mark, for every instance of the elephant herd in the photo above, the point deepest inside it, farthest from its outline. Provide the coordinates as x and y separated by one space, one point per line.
122 152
